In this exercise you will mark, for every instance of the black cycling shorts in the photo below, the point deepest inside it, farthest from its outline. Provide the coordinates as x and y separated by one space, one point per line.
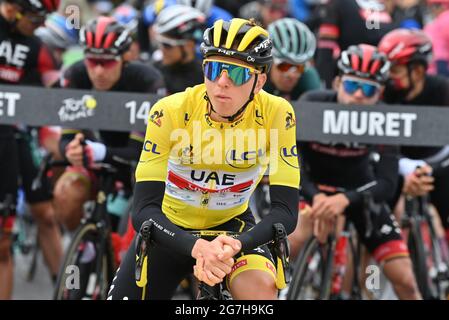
8 176
385 241
166 268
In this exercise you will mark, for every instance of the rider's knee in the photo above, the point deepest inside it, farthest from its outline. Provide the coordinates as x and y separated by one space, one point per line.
71 191
71 187
406 283
254 285
44 213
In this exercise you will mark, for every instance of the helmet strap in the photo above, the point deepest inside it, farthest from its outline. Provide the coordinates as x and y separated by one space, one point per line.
240 111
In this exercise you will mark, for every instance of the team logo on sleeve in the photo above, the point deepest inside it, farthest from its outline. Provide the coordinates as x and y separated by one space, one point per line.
290 121
290 156
156 117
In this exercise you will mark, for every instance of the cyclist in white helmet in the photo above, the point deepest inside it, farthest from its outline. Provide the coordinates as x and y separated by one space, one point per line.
177 30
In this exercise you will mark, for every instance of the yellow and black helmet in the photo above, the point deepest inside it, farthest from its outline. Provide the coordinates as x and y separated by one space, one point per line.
241 39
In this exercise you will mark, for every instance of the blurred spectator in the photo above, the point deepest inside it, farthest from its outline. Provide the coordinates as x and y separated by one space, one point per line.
128 16
345 23
438 31
273 10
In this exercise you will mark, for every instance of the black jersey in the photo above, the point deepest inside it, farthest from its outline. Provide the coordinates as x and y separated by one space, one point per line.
23 60
178 77
135 77
346 165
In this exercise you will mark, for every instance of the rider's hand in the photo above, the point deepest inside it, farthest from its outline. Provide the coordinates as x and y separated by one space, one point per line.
198 272
74 151
207 255
419 183
328 207
318 203
229 245
322 228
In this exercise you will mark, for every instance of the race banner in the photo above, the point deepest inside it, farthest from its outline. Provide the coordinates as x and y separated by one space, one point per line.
117 111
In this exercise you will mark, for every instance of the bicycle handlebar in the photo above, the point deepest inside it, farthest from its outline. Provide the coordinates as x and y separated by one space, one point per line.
280 241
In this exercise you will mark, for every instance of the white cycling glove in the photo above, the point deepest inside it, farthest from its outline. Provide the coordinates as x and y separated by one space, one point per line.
98 150
407 166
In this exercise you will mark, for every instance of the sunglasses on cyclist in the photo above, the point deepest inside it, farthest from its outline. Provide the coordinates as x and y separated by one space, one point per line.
288 67
105 63
168 43
369 89
239 74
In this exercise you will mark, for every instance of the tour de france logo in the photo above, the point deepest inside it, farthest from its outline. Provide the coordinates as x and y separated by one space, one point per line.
74 109
156 117
290 121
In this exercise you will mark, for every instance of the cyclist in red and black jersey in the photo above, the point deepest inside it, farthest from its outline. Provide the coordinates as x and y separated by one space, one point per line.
24 61
103 69
337 166
410 53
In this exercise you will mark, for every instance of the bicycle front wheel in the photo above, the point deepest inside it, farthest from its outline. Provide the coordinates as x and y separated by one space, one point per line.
88 267
419 259
312 272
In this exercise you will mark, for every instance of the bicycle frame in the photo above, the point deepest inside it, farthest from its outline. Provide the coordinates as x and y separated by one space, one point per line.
334 256
416 216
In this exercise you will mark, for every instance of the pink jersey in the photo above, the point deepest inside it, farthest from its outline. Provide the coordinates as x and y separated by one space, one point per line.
438 31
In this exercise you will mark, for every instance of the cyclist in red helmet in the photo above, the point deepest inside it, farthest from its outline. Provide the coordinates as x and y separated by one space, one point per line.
329 167
410 52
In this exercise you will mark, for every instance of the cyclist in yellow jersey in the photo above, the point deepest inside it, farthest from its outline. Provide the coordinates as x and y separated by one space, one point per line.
205 151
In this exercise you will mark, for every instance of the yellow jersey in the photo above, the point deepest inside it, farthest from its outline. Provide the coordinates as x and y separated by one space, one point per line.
211 168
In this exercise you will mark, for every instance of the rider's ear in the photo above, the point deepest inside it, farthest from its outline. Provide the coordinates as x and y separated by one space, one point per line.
261 79
336 83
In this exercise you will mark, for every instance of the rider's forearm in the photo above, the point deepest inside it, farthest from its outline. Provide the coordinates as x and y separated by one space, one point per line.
148 196
284 209
440 160
127 153
308 186
386 179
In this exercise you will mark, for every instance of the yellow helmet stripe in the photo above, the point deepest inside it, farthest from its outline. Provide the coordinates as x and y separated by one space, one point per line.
249 37
235 26
218 27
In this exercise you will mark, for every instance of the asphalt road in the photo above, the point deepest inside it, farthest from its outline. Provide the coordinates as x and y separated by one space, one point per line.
39 287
